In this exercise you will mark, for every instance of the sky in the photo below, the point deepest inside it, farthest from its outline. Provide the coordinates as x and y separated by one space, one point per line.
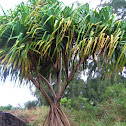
15 95
12 93
7 4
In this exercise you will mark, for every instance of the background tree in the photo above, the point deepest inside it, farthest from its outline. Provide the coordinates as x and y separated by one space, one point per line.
91 88
118 6
45 39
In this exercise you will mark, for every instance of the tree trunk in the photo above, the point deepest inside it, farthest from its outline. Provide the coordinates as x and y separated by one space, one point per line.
56 117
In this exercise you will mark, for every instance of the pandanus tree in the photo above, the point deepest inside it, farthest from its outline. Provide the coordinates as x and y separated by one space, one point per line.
45 39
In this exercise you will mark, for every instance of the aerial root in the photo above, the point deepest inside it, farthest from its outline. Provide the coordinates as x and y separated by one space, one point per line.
56 117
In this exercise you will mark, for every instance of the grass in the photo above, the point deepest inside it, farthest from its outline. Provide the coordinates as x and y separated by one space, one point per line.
110 112
32 117
102 115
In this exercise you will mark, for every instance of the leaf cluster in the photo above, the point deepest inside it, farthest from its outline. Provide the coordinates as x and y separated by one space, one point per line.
33 36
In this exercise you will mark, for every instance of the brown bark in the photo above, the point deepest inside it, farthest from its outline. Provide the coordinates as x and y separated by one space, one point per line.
56 117
66 65
50 78
39 86
69 79
49 85
59 74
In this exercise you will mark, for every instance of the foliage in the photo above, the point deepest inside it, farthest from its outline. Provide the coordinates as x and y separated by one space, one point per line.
113 106
41 40
76 103
116 92
65 102
119 7
23 35
94 87
6 108
109 112
31 104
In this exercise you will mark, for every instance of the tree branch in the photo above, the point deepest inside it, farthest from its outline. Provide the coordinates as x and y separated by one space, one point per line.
69 79
41 89
49 85
50 78
59 74
66 65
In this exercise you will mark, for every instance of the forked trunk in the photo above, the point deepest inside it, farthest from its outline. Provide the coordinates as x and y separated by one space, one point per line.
56 117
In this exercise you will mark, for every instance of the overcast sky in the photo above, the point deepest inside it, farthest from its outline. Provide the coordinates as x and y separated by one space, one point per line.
10 94
7 4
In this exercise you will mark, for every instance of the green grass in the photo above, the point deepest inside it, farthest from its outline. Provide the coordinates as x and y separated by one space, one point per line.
101 115
110 112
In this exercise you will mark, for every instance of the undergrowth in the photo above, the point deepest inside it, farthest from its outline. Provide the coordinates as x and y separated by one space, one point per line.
110 112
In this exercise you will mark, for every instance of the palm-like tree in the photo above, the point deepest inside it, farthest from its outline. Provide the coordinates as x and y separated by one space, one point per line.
45 39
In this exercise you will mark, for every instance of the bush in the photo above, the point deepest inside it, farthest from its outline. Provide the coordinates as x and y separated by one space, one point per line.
76 103
116 94
113 106
6 108
110 112
31 104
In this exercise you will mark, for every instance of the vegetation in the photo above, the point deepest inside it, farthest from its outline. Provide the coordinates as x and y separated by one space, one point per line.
44 40
118 6
6 108
111 111
31 104
90 90
96 82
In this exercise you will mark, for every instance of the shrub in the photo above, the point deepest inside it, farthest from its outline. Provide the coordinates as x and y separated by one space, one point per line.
31 104
6 108
76 103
